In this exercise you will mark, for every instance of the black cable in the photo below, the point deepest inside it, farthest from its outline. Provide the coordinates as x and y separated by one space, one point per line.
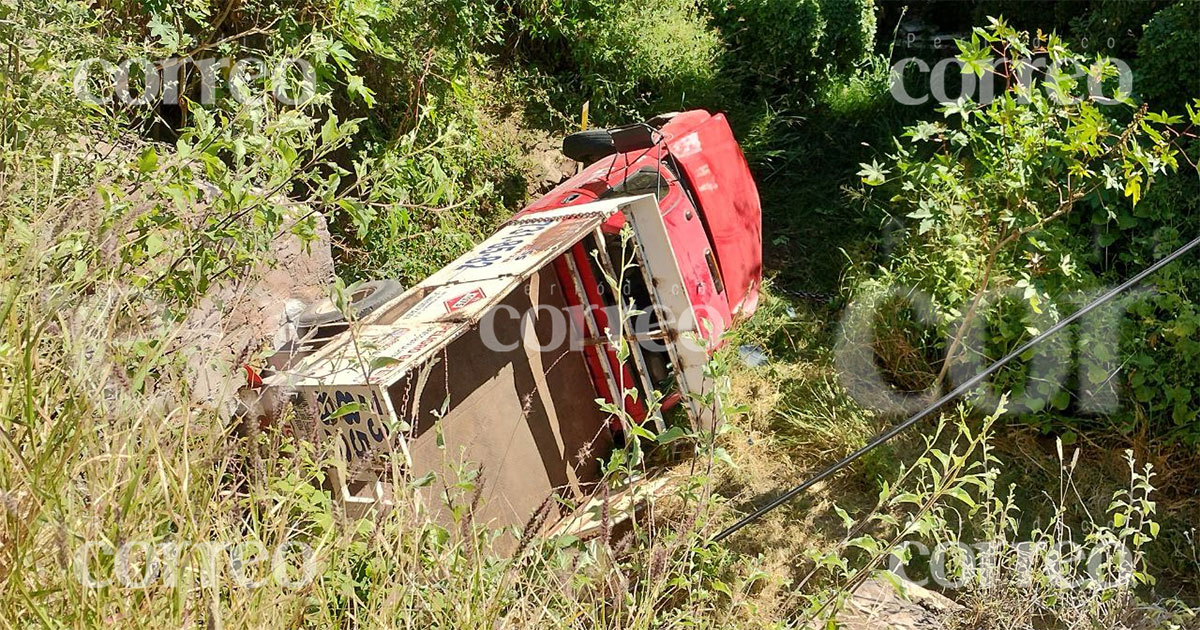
955 393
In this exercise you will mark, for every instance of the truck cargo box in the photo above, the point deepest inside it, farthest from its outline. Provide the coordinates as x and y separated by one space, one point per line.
492 366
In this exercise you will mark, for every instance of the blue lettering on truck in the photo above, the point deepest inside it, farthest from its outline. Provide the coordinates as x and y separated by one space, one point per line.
494 252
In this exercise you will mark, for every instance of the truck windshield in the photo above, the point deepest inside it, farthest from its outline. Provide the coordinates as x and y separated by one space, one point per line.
644 181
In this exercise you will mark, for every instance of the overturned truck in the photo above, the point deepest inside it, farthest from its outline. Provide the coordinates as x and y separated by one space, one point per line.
494 365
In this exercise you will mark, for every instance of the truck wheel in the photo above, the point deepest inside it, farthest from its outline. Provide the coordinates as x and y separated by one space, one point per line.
588 145
366 298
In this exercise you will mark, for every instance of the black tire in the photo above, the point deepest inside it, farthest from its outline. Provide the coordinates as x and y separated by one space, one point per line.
366 298
588 145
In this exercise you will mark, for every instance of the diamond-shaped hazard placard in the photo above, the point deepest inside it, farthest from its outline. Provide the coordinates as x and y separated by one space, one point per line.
462 301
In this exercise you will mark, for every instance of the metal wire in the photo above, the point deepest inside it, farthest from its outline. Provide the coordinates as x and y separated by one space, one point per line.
955 393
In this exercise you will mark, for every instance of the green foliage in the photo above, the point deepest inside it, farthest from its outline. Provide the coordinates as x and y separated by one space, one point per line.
1158 340
1112 27
175 219
999 557
629 59
781 45
116 218
849 34
435 190
425 177
1166 66
922 502
992 198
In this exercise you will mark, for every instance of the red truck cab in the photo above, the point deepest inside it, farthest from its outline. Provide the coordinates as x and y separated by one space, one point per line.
709 203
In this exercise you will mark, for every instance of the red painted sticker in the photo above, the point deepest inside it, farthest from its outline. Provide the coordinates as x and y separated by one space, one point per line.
464 300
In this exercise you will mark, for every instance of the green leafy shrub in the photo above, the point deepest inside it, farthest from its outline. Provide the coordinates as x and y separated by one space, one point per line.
1159 339
1161 342
773 41
435 192
849 32
998 557
779 45
627 58
178 217
425 178
1167 56
1003 200
1111 27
